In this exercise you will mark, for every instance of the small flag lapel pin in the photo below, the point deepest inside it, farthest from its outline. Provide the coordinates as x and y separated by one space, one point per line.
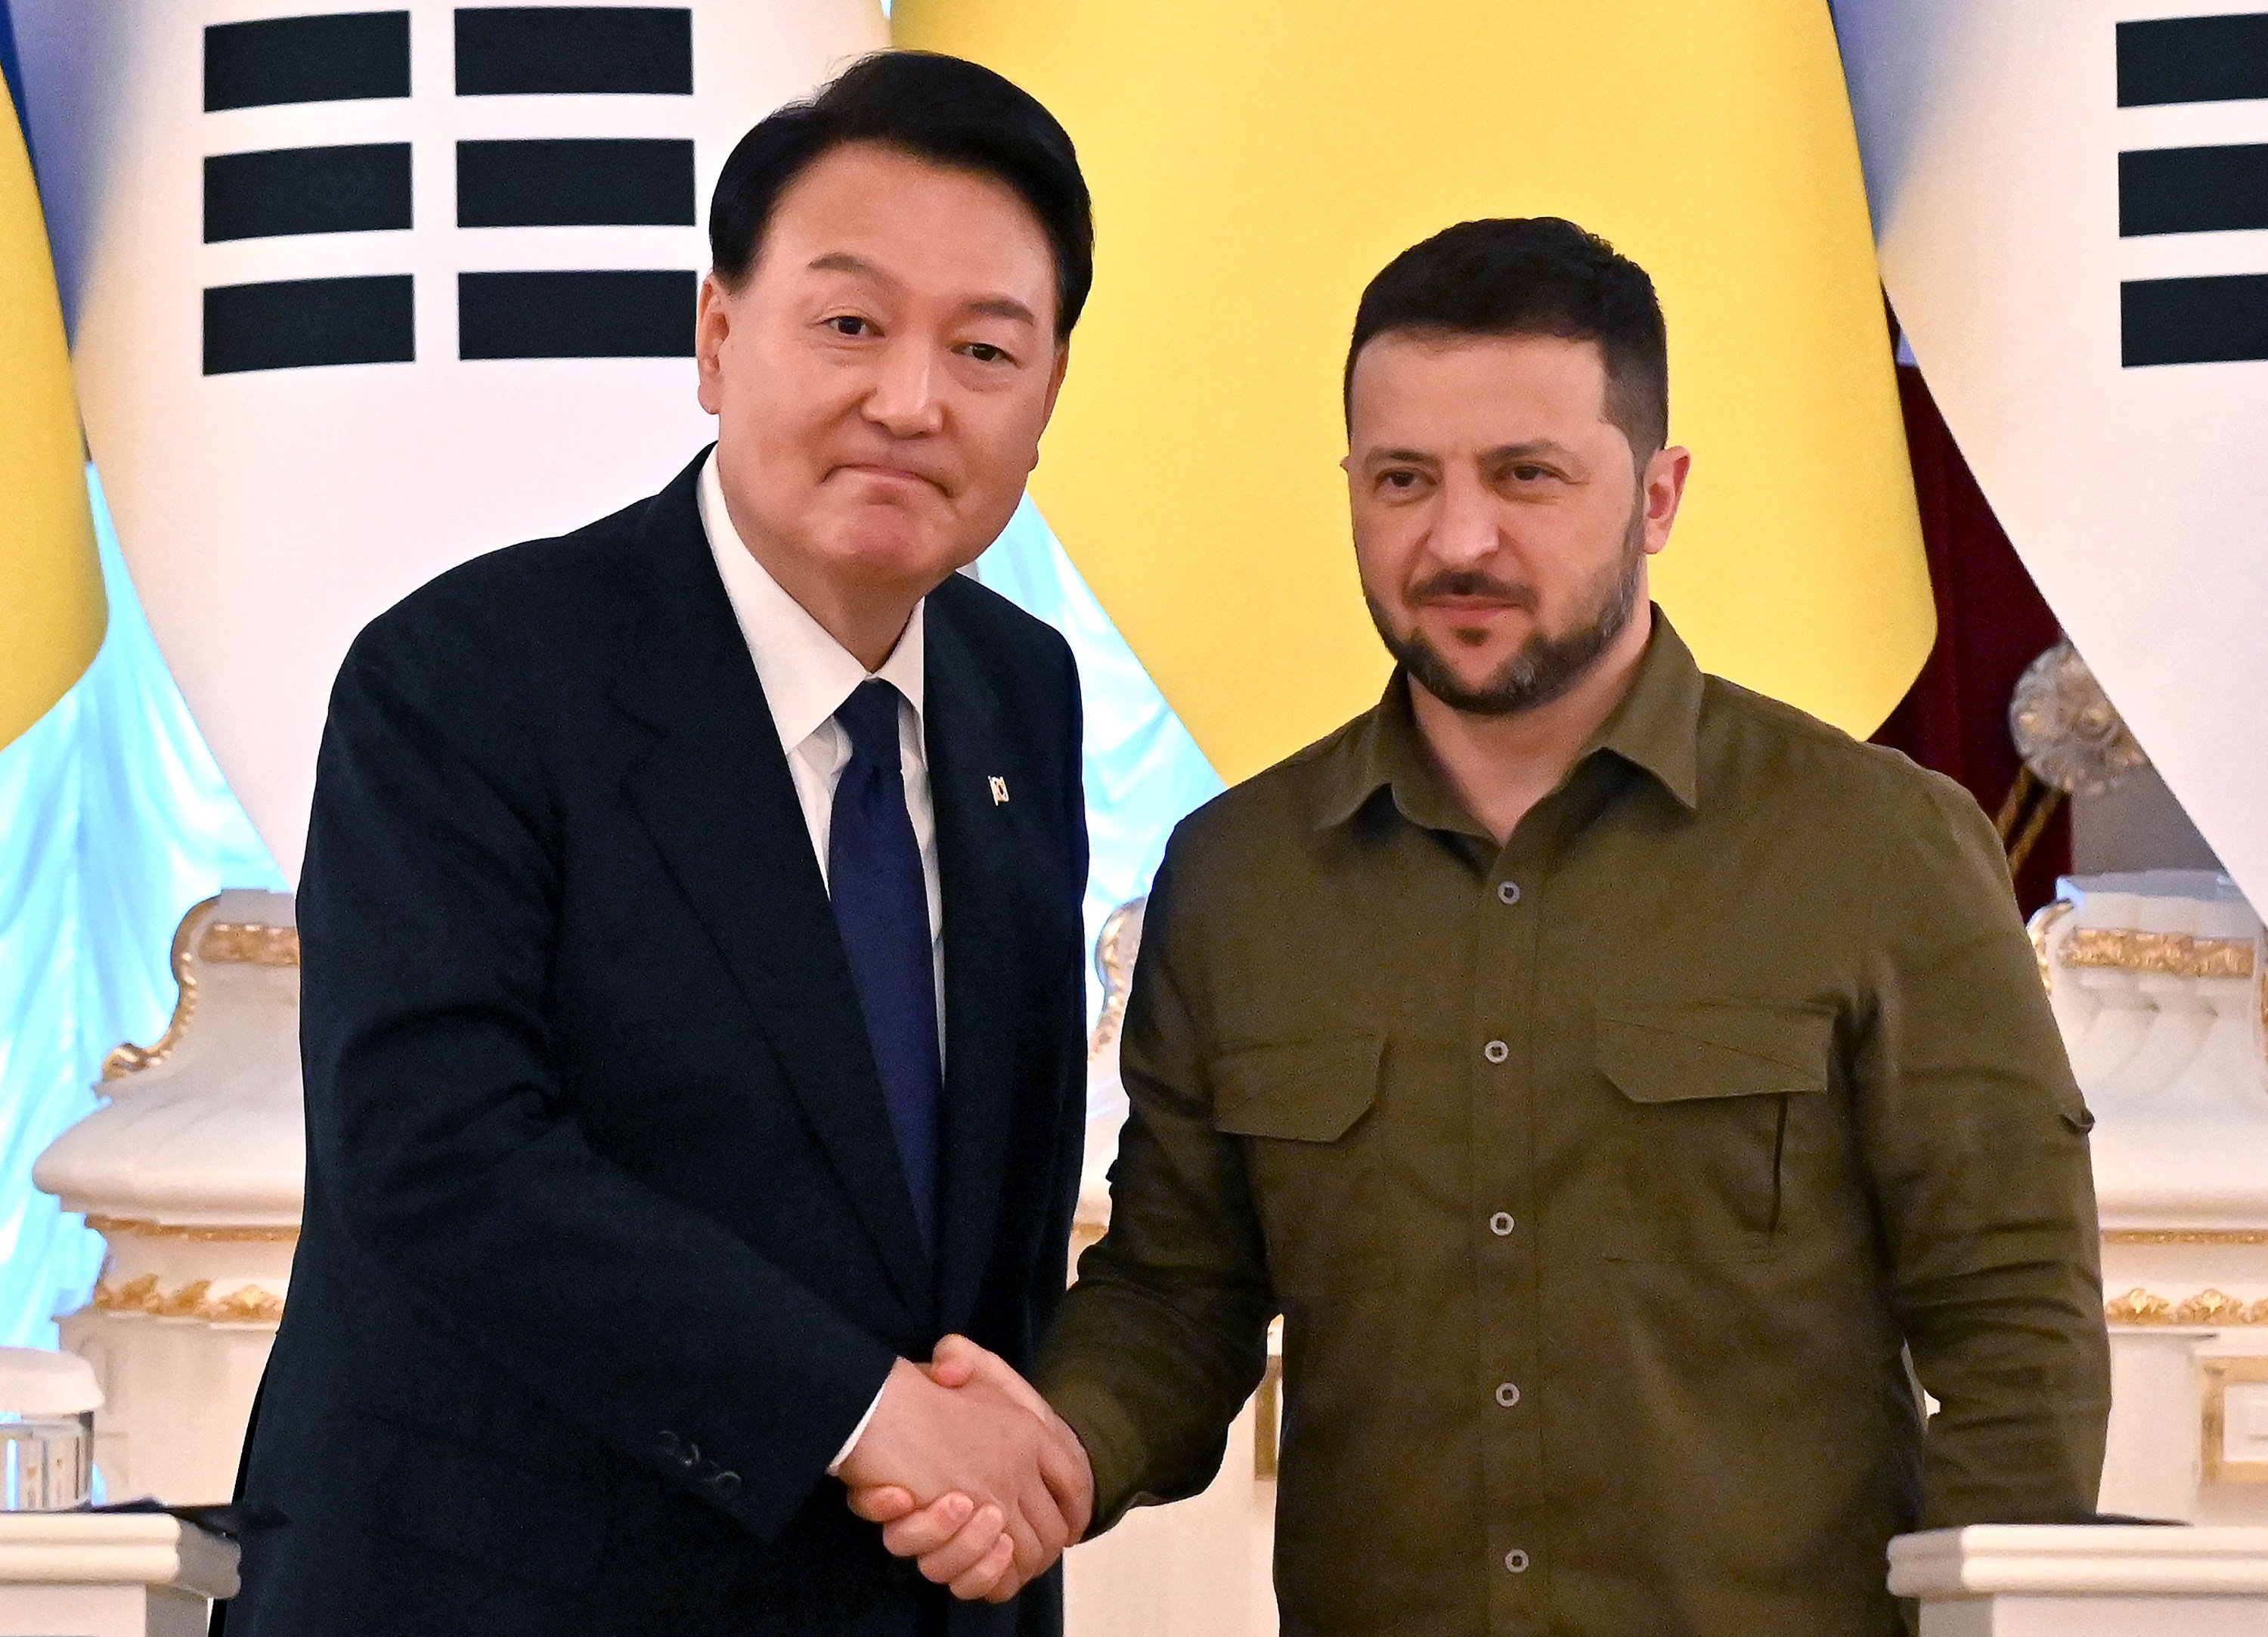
999 790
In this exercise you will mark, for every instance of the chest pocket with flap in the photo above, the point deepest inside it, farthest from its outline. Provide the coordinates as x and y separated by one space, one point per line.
1311 1155
1701 1128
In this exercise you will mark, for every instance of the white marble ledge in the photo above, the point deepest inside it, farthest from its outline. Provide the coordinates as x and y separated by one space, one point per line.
2044 1560
113 1549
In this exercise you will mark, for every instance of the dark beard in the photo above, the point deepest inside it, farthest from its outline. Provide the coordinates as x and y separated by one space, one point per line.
1545 668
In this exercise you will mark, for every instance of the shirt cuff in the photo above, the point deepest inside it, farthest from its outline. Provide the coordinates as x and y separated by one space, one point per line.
834 1467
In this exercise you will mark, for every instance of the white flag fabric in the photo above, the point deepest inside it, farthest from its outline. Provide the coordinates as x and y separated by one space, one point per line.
2071 201
360 294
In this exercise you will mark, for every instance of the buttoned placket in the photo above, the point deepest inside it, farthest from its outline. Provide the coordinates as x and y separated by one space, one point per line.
1508 1297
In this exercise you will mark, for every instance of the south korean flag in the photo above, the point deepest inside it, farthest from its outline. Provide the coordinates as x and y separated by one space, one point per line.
2071 200
359 293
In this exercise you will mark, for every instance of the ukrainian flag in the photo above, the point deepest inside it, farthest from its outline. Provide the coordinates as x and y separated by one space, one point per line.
1254 162
52 611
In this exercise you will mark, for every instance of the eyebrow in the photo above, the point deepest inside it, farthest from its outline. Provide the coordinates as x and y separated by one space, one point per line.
987 307
843 262
1004 306
1497 456
1533 446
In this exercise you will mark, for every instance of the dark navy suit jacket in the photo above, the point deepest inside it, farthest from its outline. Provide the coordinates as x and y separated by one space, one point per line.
607 1249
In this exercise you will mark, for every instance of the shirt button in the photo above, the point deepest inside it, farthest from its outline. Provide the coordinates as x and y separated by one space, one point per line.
1507 1394
1507 892
1496 1051
1516 1560
1501 1224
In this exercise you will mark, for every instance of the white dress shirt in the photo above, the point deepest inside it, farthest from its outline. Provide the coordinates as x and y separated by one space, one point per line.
806 675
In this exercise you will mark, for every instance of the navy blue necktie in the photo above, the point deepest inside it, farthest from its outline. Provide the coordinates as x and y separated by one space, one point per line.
881 908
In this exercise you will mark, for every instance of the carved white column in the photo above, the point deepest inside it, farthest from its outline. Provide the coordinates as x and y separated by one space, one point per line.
2181 1176
193 1172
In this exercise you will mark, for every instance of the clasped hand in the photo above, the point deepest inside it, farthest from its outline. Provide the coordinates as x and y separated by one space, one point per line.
971 1472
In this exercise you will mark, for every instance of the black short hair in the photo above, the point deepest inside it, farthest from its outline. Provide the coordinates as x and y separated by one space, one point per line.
940 108
1532 275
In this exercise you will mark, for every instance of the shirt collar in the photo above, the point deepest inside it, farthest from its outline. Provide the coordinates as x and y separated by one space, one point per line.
1656 729
806 674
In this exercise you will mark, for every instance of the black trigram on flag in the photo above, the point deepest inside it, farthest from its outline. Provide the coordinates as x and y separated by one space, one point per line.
2223 318
515 51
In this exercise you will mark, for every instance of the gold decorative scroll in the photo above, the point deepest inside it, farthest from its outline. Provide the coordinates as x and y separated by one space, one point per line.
2185 1236
2206 1307
2042 926
113 1227
2173 954
2138 1306
129 1059
223 943
248 1304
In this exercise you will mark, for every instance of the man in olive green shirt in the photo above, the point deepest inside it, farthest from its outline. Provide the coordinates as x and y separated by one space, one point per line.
1612 1076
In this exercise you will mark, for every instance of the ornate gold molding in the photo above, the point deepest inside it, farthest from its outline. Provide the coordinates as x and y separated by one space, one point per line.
2185 1236
2138 1306
130 1058
2213 1307
223 943
2206 1307
112 1226
2175 954
247 943
246 1305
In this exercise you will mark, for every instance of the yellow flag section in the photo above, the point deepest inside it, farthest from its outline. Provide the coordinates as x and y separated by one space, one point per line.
1254 163
51 612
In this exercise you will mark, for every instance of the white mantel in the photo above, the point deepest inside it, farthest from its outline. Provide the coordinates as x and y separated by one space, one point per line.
2107 1581
109 1574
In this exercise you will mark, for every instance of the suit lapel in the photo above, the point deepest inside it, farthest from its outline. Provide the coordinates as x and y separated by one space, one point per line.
979 863
716 795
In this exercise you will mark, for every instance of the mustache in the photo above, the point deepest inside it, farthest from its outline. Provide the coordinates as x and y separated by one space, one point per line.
1471 583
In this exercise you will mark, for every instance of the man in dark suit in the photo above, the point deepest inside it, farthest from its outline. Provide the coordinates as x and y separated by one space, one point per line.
693 981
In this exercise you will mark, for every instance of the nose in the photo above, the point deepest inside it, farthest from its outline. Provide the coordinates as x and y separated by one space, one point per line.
904 400
1464 532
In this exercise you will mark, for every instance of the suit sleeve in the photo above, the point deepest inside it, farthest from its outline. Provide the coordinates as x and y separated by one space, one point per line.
1166 1334
437 1137
1974 1144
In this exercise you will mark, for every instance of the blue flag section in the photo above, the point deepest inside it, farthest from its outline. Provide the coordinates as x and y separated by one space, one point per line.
117 823
11 70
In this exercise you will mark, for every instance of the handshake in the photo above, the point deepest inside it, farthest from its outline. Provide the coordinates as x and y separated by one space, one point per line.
969 1471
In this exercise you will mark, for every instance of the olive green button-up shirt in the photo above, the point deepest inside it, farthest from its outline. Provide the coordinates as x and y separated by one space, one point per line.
1606 1181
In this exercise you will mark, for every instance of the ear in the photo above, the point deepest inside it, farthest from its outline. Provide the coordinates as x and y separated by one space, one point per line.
1664 490
713 322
